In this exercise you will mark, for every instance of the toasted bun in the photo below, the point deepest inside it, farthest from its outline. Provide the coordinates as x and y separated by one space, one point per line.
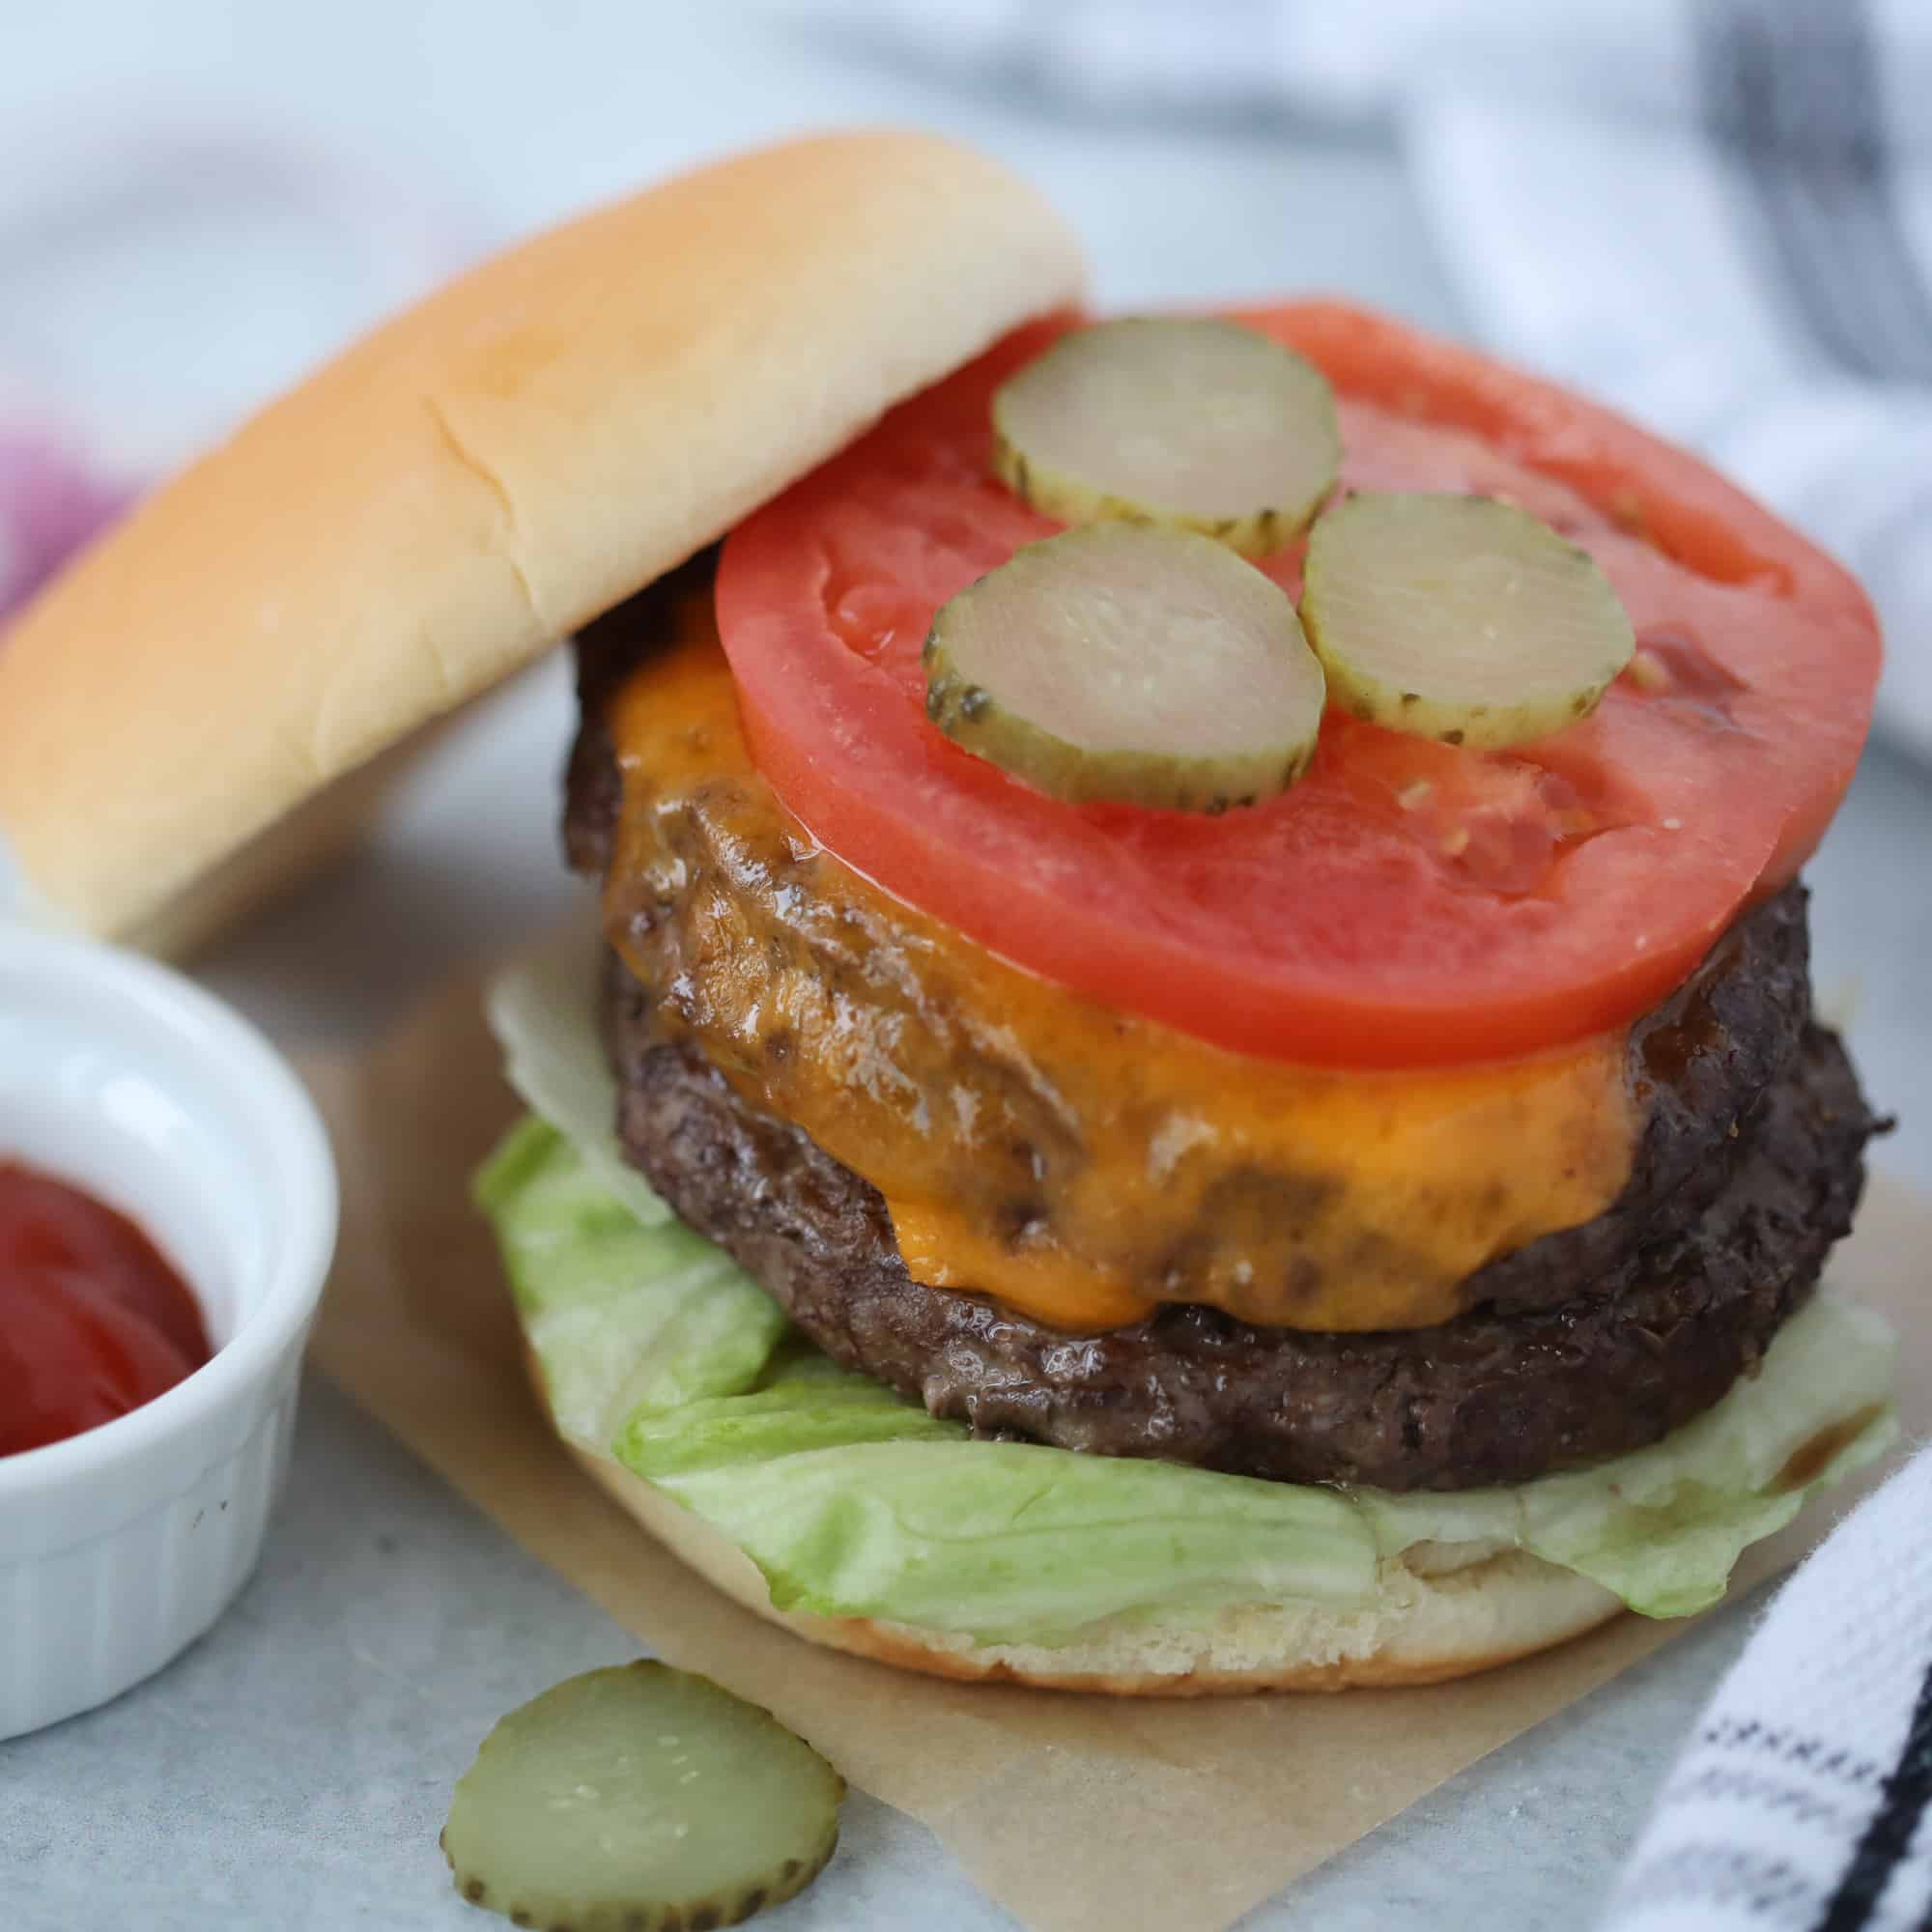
1421 1629
480 476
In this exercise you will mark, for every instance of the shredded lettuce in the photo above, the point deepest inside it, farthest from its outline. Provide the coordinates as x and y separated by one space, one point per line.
658 1349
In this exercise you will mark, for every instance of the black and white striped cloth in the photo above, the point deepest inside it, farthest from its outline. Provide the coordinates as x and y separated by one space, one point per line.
1804 1801
1716 214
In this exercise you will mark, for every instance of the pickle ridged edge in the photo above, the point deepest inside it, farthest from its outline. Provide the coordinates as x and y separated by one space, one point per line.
1459 619
640 1799
1132 665
1182 424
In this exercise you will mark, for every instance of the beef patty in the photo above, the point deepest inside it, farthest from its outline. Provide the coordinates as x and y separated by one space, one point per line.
1487 1398
1586 1343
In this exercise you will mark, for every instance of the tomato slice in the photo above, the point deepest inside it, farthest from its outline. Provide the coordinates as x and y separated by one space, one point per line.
1406 904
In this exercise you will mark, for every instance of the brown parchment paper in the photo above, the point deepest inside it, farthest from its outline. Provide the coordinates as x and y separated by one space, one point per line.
1072 1812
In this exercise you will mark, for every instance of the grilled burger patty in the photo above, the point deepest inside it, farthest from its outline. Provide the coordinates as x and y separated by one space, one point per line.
1487 1398
1586 1343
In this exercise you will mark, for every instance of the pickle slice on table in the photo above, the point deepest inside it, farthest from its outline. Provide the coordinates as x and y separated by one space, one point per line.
1142 665
1459 617
1195 424
640 1798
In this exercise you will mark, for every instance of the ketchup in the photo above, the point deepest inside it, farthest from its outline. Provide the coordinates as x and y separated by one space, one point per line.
93 1322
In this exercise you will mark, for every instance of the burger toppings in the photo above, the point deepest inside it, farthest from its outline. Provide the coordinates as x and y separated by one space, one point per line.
1081 1163
1197 424
1542 894
1460 617
641 1797
1087 1167
1144 665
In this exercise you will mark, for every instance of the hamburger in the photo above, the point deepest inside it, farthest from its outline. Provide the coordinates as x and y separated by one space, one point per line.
1196 1069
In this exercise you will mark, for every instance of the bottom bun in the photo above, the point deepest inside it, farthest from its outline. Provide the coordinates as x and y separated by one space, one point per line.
1419 1629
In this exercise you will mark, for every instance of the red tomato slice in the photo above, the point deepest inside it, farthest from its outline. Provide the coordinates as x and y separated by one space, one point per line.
1405 904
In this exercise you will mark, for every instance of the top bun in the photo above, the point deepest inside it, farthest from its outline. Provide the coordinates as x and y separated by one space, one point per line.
474 480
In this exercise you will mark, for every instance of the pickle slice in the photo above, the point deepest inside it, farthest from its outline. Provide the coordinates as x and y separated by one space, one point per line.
1143 666
1199 425
1459 619
636 1799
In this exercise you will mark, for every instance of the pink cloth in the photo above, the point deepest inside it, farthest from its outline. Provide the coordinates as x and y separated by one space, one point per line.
51 502
310 245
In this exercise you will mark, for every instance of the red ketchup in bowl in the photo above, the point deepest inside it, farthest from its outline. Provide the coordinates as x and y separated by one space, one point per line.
93 1321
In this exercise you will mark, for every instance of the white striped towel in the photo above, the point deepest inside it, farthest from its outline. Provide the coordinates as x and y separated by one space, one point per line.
1801 1802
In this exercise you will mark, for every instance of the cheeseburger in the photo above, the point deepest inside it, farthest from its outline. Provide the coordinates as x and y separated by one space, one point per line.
1196 1070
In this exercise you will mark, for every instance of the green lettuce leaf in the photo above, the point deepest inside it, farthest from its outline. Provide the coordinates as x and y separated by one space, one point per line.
658 1349
1663 1526
543 1013
855 1502
621 1316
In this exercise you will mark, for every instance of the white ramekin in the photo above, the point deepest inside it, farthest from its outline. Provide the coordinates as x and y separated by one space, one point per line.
119 1547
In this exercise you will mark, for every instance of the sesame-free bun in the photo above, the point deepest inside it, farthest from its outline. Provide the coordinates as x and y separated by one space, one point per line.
1422 1628
471 482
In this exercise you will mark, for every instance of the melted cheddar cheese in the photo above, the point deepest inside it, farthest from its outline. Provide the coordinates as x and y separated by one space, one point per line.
1077 1163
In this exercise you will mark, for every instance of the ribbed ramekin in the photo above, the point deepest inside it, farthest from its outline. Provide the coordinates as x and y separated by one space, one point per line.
119 1547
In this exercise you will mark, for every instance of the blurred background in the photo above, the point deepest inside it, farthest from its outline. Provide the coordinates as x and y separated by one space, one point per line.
1716 214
